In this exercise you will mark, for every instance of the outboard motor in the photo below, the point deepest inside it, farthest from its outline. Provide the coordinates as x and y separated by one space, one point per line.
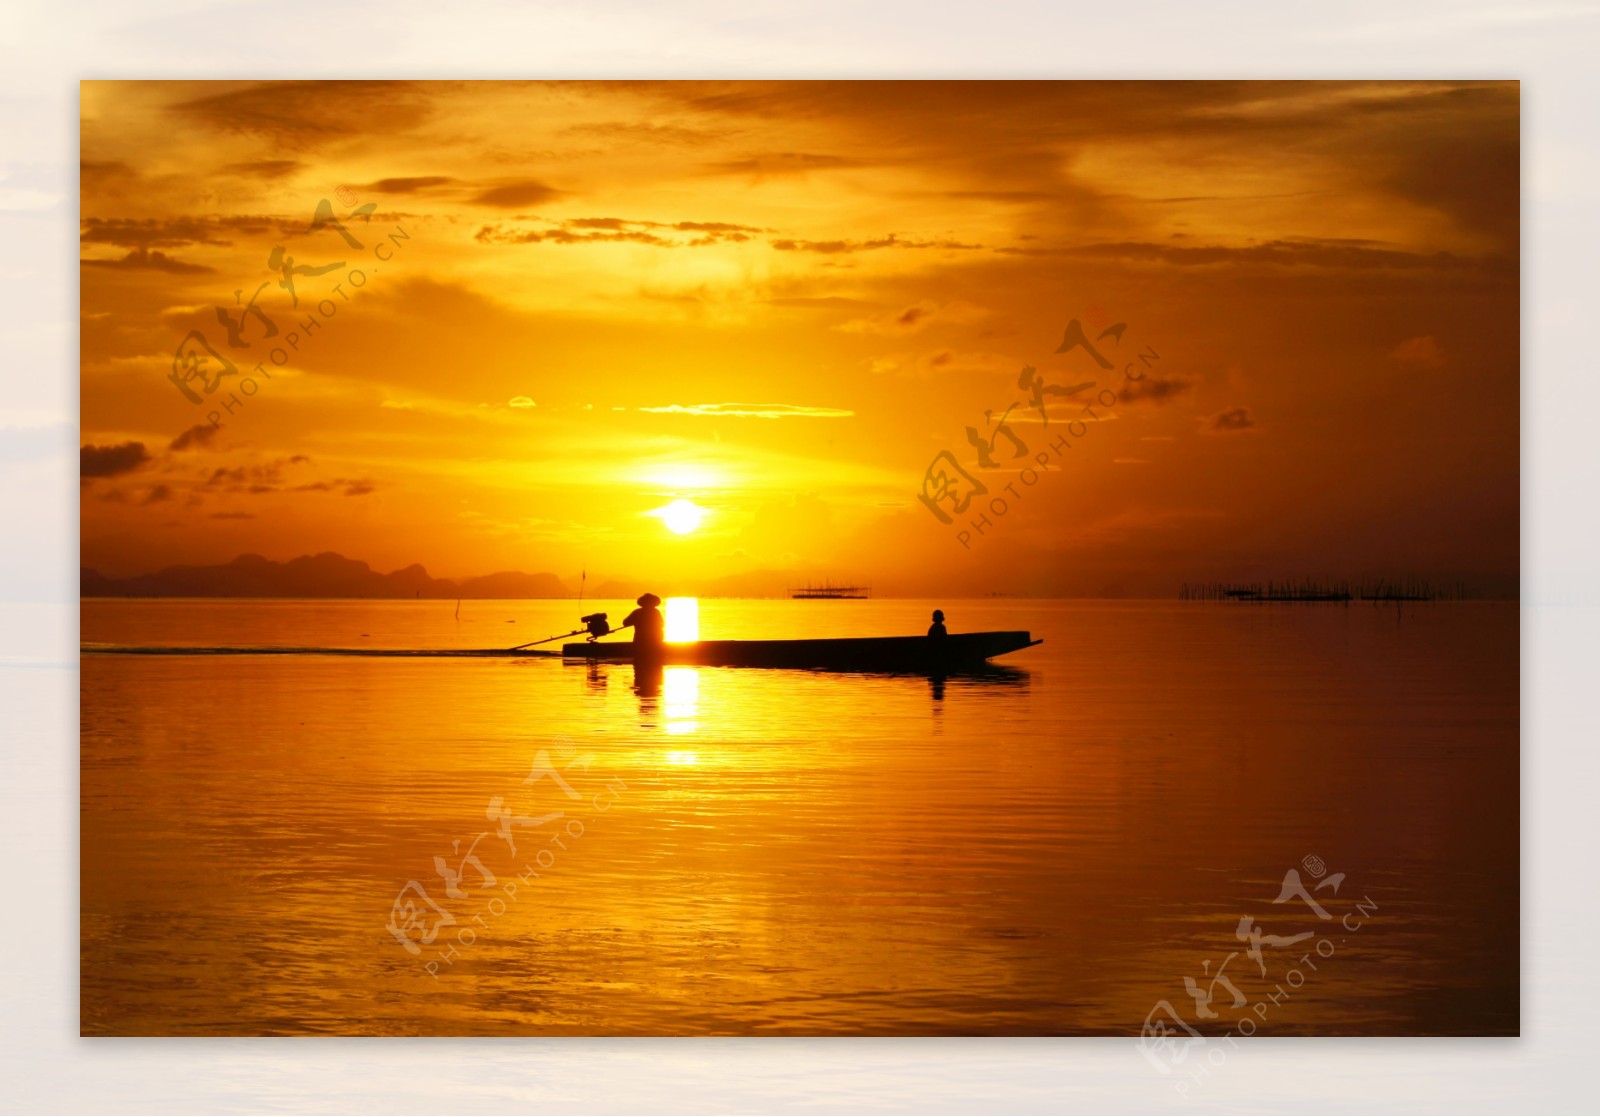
596 625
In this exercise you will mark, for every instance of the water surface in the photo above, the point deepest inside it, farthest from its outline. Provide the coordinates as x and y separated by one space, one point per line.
1049 850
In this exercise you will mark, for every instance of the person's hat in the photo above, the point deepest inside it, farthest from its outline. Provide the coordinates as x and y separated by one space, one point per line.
649 600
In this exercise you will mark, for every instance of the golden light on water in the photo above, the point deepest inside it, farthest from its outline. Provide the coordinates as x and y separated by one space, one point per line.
682 620
680 704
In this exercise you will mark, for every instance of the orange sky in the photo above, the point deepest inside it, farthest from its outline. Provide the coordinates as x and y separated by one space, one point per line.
781 301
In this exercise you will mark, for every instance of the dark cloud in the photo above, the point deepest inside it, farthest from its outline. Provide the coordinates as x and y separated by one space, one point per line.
831 302
1156 389
642 132
716 227
141 260
512 195
1453 148
305 114
92 172
405 185
836 247
221 475
265 168
1231 421
175 232
233 515
780 163
263 478
111 461
493 234
1278 253
351 486
1448 145
586 230
196 436
157 495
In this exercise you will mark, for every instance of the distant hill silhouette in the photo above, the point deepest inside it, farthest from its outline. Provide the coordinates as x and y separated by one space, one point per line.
324 575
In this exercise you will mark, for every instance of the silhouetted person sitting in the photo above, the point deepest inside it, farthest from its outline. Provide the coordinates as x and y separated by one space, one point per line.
937 627
649 628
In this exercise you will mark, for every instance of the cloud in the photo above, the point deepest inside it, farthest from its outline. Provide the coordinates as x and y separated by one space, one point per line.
157 495
941 361
419 185
752 410
177 232
233 515
265 168
637 132
1331 254
512 195
111 461
837 247
831 302
305 114
522 401
1424 352
263 478
99 172
586 230
716 227
914 318
1232 421
1156 389
198 435
779 164
494 234
141 260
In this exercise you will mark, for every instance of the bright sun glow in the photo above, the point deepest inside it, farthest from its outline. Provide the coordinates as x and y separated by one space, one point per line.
679 477
683 620
681 516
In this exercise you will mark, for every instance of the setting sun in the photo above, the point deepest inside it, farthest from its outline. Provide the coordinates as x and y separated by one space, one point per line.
681 516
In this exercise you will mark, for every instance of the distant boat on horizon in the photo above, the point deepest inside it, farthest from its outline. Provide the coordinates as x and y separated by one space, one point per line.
830 592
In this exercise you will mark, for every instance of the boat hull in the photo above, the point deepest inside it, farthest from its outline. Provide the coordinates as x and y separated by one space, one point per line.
918 654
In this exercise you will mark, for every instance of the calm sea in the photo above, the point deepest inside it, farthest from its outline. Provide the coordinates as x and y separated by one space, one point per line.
1320 803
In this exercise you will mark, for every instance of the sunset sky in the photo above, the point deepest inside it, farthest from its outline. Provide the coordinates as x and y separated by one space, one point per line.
582 302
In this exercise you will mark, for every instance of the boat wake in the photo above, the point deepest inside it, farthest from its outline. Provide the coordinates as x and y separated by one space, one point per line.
277 649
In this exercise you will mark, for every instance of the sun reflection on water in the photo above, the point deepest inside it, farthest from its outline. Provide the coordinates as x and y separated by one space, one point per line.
680 699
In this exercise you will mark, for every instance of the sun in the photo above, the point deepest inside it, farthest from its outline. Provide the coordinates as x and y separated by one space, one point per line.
681 516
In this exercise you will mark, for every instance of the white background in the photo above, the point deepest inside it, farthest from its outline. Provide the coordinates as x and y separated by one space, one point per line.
48 47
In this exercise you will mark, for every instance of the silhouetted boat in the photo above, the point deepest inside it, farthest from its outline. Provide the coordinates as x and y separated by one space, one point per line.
830 592
919 654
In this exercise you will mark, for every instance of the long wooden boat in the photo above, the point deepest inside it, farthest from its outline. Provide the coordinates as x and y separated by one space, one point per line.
921 654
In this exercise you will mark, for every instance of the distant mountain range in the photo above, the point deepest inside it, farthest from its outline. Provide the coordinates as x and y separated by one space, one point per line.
324 575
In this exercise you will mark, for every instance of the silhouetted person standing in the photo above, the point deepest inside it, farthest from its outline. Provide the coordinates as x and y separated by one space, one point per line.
937 627
649 627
